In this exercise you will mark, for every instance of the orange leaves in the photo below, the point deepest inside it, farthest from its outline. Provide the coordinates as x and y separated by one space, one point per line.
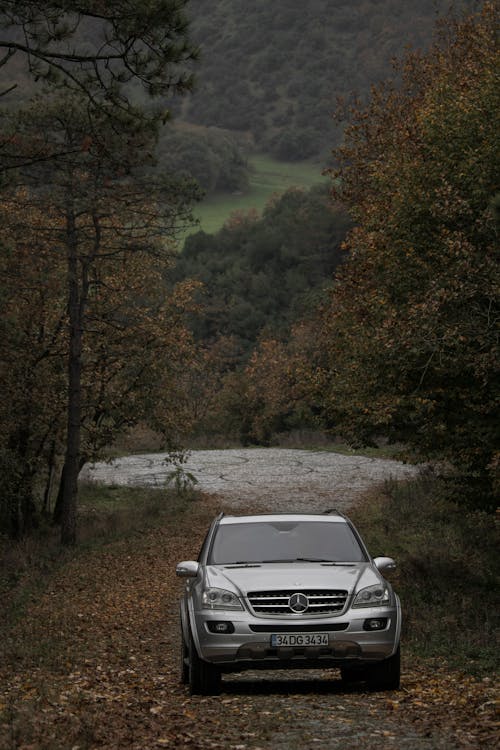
242 219
109 679
460 701
277 381
404 334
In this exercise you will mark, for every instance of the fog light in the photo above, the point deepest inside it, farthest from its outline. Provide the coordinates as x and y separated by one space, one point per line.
375 623
220 626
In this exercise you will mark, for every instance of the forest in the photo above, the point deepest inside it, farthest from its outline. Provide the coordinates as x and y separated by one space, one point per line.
274 72
262 272
355 319
376 298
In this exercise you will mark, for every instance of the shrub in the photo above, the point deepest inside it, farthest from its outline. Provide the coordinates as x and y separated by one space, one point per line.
447 560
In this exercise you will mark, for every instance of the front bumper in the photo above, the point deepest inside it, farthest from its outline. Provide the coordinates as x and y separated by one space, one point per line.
348 640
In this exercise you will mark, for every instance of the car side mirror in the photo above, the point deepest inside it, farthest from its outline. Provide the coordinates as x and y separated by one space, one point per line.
187 569
385 564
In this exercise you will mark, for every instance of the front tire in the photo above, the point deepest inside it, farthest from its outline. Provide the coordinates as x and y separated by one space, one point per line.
386 675
184 660
349 675
204 678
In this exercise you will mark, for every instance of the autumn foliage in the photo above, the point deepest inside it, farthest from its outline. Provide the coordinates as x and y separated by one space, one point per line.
135 350
408 342
93 342
405 347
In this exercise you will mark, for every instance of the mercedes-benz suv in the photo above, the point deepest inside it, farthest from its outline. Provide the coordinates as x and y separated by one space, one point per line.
288 591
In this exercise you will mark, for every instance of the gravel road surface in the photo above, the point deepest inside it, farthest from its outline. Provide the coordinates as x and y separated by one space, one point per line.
266 478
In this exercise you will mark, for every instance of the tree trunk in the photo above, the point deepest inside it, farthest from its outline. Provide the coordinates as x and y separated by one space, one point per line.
22 507
51 461
57 514
69 480
28 506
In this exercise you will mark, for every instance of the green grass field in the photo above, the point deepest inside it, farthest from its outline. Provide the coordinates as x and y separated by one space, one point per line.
267 178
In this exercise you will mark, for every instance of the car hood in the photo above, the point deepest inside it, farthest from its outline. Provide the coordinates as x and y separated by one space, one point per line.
294 576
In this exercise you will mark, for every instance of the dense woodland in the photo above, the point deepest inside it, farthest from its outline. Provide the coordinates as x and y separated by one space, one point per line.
214 158
406 344
91 340
264 271
369 312
276 77
274 70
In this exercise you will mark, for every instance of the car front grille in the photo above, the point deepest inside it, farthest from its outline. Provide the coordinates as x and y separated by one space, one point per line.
294 627
297 602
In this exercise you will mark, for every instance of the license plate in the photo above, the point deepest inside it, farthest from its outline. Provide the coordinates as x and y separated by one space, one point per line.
299 639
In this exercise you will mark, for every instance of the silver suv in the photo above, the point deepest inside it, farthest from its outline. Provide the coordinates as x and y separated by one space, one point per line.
288 591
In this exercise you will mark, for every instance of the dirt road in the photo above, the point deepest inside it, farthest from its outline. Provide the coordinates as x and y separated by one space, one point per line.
268 478
93 664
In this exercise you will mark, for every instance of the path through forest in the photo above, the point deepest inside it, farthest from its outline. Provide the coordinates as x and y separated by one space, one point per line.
94 664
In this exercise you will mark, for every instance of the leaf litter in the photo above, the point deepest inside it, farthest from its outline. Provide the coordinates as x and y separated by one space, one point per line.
94 663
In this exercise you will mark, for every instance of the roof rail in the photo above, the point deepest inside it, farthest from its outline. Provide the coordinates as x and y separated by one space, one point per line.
334 510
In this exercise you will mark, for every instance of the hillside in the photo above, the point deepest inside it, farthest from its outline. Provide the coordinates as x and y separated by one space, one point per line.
274 70
263 271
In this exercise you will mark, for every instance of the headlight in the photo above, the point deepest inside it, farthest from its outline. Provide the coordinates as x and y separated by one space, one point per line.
372 596
220 599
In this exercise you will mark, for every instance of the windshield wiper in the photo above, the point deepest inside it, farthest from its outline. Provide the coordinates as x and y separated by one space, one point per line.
323 560
245 563
302 559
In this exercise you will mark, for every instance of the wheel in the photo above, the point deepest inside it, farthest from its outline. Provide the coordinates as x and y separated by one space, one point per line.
349 675
385 675
184 660
204 678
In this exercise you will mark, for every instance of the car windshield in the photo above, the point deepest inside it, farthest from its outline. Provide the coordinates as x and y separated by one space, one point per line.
285 541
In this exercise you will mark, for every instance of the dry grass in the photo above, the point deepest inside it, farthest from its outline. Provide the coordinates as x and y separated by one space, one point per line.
106 514
447 569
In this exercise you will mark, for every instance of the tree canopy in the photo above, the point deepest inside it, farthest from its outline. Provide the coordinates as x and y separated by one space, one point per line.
98 48
125 60
89 226
262 272
409 339
211 156
274 70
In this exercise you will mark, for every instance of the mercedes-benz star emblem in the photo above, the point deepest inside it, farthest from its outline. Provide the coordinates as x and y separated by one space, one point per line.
298 603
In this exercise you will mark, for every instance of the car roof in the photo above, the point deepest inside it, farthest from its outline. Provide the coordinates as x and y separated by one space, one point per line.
328 517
